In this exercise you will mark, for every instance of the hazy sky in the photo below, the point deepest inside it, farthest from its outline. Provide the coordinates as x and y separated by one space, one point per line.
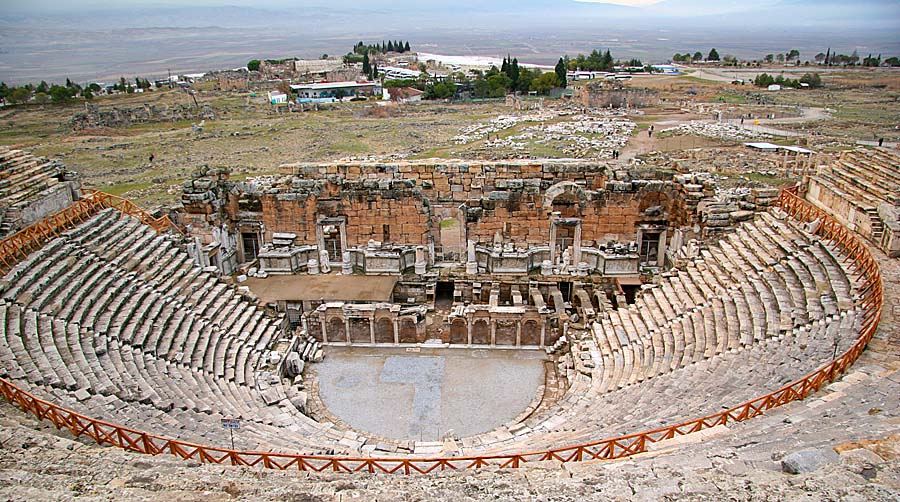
102 39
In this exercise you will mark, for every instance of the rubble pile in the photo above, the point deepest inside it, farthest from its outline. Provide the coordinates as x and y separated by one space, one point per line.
717 130
476 132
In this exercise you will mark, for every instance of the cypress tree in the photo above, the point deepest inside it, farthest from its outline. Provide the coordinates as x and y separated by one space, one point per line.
514 71
367 67
406 46
561 72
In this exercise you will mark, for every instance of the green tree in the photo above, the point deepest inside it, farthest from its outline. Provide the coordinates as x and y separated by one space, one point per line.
525 78
439 90
793 55
406 46
59 94
560 71
498 85
43 87
544 83
41 98
770 58
481 88
698 56
374 71
677 57
713 55
19 94
813 79
253 65
366 66
607 62
514 71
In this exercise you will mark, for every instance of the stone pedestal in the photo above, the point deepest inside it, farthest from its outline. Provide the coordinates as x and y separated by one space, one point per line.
472 268
421 263
313 266
583 268
546 267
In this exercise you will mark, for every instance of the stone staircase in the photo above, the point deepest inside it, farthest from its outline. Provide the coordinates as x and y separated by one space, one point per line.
23 179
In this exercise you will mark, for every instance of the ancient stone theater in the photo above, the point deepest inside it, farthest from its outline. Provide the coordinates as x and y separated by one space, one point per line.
413 316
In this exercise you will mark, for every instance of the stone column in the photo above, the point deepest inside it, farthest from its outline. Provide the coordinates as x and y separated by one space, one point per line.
576 254
661 250
543 332
493 333
312 266
552 241
396 332
469 330
347 330
372 328
346 266
324 331
518 333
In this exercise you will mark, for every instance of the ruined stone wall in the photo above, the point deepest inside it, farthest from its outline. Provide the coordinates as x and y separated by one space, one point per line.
457 181
614 95
605 214
404 203
397 215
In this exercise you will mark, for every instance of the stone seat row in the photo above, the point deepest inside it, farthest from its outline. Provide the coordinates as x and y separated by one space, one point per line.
694 390
768 281
76 365
95 320
658 334
211 328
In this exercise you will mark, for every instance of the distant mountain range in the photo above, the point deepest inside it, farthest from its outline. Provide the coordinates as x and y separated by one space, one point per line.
340 15
47 39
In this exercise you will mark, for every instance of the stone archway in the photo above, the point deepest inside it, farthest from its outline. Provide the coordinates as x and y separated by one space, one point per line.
505 332
459 331
408 332
481 332
384 330
336 330
653 200
566 192
359 330
531 333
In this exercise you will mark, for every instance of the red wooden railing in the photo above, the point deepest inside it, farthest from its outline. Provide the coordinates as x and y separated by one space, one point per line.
18 245
856 254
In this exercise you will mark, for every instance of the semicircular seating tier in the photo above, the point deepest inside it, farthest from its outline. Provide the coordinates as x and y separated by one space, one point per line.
116 322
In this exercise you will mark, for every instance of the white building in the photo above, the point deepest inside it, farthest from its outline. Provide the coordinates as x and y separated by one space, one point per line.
277 97
336 89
